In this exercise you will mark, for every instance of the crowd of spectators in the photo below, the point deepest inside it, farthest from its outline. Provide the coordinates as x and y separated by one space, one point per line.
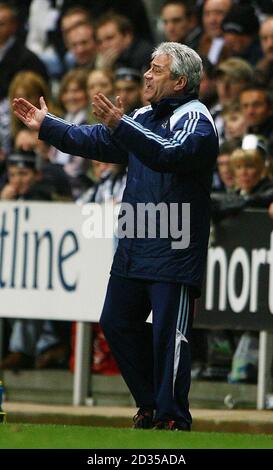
68 50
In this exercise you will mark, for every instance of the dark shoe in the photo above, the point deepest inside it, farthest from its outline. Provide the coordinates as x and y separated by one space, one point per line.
173 426
53 357
16 361
143 419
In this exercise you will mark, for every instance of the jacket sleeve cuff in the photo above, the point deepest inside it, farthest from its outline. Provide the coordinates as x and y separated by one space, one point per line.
53 129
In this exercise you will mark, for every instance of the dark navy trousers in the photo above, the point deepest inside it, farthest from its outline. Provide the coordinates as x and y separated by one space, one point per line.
154 359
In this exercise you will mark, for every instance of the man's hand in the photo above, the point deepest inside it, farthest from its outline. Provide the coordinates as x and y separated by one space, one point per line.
31 116
106 111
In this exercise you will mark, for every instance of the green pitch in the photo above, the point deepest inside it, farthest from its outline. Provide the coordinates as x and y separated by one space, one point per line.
22 436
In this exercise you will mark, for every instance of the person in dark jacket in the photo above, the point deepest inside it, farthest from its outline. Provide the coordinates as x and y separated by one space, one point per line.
119 46
14 56
171 148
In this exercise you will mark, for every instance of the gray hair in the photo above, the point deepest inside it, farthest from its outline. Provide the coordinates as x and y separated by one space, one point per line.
185 61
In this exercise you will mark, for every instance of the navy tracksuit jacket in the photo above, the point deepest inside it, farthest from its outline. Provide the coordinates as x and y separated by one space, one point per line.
171 149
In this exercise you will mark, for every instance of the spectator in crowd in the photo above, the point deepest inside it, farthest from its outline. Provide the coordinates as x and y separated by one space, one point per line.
234 121
264 68
32 86
29 85
81 44
208 92
232 76
251 185
73 99
32 342
74 16
248 165
14 56
118 45
110 186
128 85
241 27
99 81
135 10
226 177
266 38
257 106
212 41
180 22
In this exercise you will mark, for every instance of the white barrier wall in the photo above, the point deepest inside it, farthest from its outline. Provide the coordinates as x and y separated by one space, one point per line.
48 269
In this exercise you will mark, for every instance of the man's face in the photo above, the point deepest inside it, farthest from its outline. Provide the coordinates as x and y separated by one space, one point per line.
81 43
266 36
110 38
69 22
175 22
21 179
213 14
129 92
7 25
158 81
224 170
237 43
255 107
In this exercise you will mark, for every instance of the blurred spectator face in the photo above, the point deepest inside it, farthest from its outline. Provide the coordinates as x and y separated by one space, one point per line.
246 175
237 43
80 41
99 82
228 88
129 92
7 24
213 14
109 38
70 21
266 37
21 92
224 170
255 107
235 125
21 179
175 22
74 98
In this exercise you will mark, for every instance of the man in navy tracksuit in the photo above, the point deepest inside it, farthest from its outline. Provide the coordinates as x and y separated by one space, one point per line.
171 148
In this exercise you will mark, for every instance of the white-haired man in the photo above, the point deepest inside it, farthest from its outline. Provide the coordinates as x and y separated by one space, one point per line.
171 148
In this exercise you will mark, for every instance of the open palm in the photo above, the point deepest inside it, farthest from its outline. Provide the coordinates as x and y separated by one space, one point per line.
31 116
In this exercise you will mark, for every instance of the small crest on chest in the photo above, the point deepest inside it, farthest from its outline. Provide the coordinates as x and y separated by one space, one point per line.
164 124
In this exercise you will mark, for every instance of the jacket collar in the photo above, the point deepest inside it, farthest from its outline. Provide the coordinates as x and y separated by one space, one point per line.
168 105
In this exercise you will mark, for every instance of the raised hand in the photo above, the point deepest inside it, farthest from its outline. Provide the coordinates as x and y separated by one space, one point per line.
106 111
31 116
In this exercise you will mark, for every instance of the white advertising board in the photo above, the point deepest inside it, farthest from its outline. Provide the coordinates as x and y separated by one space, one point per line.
48 267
